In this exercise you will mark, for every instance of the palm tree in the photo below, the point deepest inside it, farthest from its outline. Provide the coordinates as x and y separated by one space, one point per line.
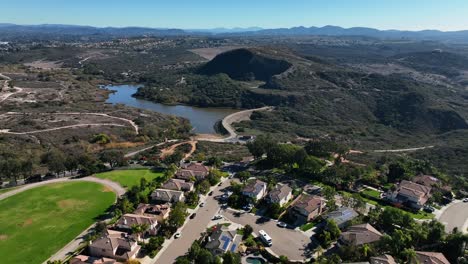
365 249
139 229
410 255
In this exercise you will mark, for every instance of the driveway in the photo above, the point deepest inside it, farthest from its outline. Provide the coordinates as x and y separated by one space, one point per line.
455 215
192 229
288 242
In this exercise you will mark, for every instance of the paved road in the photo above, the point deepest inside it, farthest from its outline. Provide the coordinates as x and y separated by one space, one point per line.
456 215
119 190
288 242
192 229
229 120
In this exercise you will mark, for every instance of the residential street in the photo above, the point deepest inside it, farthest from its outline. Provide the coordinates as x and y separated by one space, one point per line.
192 229
455 215
288 242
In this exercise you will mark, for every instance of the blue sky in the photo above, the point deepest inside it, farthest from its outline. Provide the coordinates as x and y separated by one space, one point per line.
382 14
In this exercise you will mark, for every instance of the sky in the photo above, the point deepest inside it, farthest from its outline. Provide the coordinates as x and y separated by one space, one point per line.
195 14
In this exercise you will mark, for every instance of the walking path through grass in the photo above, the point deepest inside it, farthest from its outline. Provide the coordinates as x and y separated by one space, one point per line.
130 177
36 223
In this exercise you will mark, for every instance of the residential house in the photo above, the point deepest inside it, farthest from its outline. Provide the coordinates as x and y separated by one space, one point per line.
128 220
115 245
222 240
312 189
384 259
159 211
307 207
411 194
164 195
178 185
360 234
255 189
430 258
342 216
192 170
280 195
82 259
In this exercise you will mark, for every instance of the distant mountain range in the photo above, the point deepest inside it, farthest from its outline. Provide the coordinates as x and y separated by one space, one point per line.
452 36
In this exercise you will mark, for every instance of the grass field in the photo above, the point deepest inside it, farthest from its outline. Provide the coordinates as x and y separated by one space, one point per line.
129 178
36 223
371 193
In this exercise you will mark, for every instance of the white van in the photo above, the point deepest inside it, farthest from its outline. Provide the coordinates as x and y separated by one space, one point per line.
265 238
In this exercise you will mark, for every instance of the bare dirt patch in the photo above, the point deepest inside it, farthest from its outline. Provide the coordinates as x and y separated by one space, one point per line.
107 189
28 221
3 237
43 64
210 53
69 203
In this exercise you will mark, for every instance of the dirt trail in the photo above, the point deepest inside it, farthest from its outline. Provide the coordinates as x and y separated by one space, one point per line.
135 126
4 96
170 150
402 150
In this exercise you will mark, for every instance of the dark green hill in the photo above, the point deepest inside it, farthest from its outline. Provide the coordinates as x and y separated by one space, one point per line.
246 65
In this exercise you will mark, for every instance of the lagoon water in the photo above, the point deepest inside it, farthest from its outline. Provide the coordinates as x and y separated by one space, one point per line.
202 119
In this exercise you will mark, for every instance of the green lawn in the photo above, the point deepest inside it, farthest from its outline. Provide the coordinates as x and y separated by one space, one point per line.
371 193
7 190
129 178
36 223
307 226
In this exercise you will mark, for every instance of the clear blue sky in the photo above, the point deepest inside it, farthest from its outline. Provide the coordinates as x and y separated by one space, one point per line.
382 14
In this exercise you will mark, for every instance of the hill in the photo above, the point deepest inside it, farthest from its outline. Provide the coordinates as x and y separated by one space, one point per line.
245 65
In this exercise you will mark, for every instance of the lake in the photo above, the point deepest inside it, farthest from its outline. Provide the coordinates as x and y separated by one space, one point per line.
202 119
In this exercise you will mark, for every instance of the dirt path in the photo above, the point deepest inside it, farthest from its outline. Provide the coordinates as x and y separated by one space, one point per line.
133 153
170 150
134 126
4 96
229 120
402 150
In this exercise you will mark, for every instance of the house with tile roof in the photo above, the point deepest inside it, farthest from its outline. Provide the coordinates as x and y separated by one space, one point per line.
83 259
127 221
115 245
430 258
159 211
168 196
360 234
307 207
410 194
192 170
222 240
281 194
384 259
178 185
255 189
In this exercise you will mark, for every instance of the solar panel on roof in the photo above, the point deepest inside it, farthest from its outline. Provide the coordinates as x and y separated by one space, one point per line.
233 248
226 241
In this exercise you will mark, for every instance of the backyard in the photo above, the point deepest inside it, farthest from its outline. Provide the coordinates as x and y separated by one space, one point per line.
130 177
36 223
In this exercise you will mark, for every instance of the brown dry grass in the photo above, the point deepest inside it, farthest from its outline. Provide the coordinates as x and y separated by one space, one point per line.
3 237
67 203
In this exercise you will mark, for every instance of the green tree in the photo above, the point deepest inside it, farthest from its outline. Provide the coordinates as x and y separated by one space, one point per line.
177 216
247 231
231 258
243 176
113 157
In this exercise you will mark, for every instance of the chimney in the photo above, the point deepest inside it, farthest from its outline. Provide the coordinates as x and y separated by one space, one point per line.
125 221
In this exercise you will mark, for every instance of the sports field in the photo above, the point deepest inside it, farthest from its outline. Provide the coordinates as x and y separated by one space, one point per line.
36 223
129 178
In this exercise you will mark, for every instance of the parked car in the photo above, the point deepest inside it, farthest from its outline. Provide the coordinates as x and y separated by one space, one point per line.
210 193
247 207
217 217
34 178
465 200
193 216
177 235
429 209
282 224
202 205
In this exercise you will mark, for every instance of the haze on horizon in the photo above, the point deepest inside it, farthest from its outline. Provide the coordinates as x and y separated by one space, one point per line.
203 14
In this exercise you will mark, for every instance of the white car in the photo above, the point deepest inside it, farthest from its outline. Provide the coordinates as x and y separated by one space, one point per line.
177 235
282 224
217 217
465 200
